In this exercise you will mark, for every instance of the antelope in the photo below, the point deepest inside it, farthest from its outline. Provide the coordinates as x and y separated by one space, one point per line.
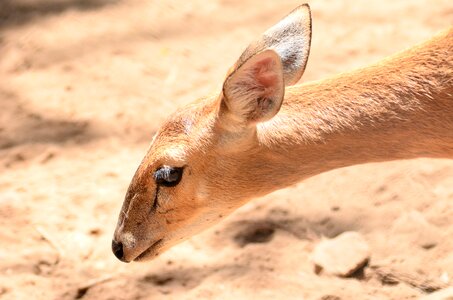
262 133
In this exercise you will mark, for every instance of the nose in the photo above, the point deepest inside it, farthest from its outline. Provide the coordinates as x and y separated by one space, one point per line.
117 248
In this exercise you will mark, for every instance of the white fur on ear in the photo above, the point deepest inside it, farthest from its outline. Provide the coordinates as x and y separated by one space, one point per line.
290 38
254 92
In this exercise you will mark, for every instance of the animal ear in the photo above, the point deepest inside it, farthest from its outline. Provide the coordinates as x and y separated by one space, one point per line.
290 39
254 89
254 92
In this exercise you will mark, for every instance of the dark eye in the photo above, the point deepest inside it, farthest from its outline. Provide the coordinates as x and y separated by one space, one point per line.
168 176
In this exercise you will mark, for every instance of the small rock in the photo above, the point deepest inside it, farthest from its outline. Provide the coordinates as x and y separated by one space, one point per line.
445 294
417 230
342 255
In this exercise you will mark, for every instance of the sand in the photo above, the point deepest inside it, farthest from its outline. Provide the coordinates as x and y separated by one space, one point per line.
85 84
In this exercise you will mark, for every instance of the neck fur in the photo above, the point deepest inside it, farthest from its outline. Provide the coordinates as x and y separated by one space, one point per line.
400 108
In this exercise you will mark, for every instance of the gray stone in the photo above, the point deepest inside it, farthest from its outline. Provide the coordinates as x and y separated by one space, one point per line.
342 255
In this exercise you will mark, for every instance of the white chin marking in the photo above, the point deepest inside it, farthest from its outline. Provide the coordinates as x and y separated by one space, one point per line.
128 240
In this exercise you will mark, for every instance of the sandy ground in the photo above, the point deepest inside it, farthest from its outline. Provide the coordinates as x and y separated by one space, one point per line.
84 84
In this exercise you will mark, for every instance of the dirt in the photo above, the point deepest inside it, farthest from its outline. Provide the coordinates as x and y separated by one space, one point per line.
84 84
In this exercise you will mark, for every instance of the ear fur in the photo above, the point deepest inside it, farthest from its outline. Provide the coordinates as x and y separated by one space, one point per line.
253 91
291 39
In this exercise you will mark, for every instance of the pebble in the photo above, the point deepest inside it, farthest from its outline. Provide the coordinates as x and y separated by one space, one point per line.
342 255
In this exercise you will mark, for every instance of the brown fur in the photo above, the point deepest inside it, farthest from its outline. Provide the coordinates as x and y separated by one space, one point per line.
400 108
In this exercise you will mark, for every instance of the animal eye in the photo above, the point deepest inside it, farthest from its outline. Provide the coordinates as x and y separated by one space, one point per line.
168 176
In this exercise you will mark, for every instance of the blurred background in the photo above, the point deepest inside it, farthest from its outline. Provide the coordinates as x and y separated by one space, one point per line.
84 84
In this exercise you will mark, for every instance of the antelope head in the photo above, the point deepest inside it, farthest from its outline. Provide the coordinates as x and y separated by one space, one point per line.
205 162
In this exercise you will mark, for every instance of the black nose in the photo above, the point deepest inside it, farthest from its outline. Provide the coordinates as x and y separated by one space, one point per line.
117 248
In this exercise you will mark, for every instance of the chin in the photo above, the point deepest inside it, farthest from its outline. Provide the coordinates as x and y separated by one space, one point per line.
158 248
146 257
152 252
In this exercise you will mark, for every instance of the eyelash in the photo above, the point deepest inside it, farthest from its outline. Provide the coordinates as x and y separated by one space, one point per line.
168 176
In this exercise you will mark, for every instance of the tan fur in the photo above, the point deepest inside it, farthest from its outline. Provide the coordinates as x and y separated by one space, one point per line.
400 108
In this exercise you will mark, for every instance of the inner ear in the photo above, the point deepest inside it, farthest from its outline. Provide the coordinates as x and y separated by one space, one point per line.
290 39
254 92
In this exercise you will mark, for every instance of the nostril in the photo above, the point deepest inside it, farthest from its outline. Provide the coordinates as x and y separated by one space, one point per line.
117 248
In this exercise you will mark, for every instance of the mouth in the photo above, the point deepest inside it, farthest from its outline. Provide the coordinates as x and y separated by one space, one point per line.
150 252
